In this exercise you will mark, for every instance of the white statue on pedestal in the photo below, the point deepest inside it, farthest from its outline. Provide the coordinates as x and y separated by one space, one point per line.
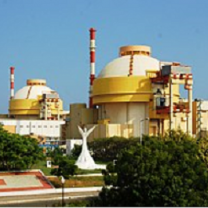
85 160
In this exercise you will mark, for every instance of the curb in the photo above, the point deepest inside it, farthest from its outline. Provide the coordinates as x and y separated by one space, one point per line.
50 191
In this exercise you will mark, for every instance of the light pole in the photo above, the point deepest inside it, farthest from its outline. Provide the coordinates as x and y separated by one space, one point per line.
62 182
145 119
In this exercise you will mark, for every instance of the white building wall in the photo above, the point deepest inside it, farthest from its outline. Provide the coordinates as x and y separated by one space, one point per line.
37 127
204 115
180 122
127 113
137 112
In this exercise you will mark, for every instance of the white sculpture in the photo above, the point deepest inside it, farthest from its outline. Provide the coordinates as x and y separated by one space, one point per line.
85 160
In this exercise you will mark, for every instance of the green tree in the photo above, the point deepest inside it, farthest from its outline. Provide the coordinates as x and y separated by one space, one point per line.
56 155
160 172
18 152
203 145
66 168
66 164
107 149
76 151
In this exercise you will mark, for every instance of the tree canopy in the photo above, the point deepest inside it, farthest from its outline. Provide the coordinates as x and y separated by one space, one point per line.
18 152
66 164
166 171
107 149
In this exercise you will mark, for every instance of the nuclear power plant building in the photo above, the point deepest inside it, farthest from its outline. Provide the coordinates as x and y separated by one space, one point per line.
134 94
34 110
137 94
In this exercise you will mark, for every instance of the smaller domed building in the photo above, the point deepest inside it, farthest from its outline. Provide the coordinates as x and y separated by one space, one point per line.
35 110
36 101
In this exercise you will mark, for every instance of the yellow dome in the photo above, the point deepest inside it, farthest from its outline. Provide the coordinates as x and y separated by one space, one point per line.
124 79
28 101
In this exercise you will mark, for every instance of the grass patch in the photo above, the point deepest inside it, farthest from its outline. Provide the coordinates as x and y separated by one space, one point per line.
82 172
101 162
42 166
75 181
47 171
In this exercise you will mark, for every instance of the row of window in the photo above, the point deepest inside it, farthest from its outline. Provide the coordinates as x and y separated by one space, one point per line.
27 126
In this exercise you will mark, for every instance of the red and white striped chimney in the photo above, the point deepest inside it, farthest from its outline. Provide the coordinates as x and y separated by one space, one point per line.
11 82
92 63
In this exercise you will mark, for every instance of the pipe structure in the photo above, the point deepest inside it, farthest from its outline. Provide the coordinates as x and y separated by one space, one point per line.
189 114
198 118
46 110
171 103
12 83
92 63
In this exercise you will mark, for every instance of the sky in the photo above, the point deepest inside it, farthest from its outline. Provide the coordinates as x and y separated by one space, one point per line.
49 39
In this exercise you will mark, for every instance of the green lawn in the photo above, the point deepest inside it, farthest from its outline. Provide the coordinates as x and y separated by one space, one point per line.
47 171
82 172
42 166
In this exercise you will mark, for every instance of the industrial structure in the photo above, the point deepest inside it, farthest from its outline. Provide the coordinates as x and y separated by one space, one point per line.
134 94
137 94
35 110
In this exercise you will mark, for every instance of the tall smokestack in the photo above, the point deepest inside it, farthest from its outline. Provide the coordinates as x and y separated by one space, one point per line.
11 82
92 63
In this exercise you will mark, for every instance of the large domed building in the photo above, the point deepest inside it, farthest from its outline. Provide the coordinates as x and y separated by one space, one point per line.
36 101
122 90
137 94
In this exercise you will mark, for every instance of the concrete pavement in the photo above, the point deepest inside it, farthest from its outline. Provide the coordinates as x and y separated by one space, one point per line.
43 197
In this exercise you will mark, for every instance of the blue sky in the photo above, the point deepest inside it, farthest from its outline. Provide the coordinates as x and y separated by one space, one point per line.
49 39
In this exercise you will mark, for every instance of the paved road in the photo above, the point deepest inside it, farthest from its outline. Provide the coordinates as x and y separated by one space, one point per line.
42 200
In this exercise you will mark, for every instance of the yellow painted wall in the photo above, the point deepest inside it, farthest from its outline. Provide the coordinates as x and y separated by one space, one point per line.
126 89
121 89
10 128
89 116
76 119
24 106
30 107
110 130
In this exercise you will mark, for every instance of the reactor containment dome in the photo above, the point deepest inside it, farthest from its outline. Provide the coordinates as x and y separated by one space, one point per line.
36 100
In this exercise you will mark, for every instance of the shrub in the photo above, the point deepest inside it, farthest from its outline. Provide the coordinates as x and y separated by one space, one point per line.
157 173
